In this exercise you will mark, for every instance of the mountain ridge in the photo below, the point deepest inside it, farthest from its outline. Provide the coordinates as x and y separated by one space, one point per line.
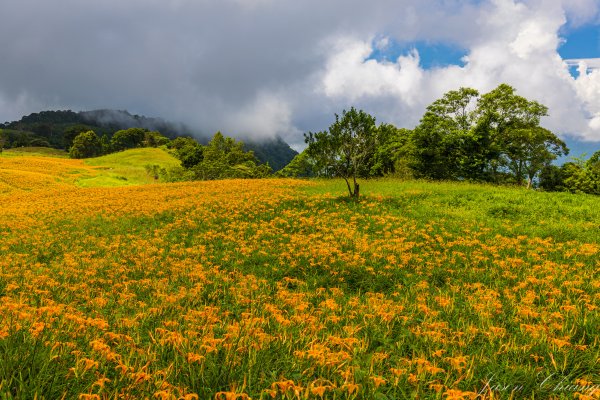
48 128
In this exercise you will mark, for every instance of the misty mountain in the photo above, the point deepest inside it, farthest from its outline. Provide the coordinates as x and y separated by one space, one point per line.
47 128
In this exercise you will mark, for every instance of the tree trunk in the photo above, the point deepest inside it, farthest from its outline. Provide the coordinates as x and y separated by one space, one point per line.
529 182
349 189
356 188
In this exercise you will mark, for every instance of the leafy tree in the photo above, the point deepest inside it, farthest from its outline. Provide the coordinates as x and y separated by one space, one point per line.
190 155
527 150
154 139
438 139
301 166
225 157
393 152
488 138
583 176
71 133
85 145
501 114
105 144
128 139
552 178
180 142
344 150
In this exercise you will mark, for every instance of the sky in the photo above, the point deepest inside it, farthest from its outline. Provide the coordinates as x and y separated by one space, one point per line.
261 68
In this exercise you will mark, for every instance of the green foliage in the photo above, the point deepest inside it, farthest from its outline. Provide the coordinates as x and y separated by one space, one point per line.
12 138
188 151
495 137
302 166
578 176
128 139
71 133
438 138
394 152
528 150
136 137
154 139
223 158
85 145
552 178
582 176
180 142
346 148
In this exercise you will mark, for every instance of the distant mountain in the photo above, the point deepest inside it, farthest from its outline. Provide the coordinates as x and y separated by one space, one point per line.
275 151
47 128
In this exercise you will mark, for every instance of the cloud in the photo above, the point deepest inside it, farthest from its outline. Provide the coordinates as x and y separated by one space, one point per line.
516 43
266 67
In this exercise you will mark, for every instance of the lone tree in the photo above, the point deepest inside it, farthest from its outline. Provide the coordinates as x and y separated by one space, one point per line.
345 148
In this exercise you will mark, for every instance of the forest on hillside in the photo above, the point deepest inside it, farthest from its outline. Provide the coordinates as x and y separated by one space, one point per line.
58 129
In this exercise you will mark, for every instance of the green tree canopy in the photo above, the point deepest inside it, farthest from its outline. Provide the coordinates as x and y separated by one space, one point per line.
527 150
582 176
71 133
301 166
188 151
344 150
439 137
128 139
486 138
224 157
85 145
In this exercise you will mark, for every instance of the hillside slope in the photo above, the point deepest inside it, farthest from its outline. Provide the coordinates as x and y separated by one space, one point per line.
26 169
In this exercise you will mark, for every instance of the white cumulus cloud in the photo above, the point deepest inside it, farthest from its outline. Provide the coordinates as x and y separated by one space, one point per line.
266 67
516 43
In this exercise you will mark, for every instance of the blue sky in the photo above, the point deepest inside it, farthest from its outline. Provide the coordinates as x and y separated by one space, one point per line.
580 43
431 54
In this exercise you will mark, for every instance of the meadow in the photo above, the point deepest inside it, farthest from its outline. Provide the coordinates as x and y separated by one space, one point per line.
285 289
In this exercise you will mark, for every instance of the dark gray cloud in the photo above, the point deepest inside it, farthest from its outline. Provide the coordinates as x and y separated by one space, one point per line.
253 67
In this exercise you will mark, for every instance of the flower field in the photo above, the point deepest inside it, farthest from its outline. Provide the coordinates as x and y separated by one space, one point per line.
279 289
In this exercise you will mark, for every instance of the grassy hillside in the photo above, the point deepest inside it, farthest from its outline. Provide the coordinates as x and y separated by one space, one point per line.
124 168
127 167
283 289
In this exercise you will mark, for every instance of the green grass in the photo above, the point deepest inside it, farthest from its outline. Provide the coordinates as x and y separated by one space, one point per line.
127 167
506 210
34 151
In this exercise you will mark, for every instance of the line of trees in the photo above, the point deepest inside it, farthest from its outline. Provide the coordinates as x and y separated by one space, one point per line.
495 137
222 158
86 143
579 176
